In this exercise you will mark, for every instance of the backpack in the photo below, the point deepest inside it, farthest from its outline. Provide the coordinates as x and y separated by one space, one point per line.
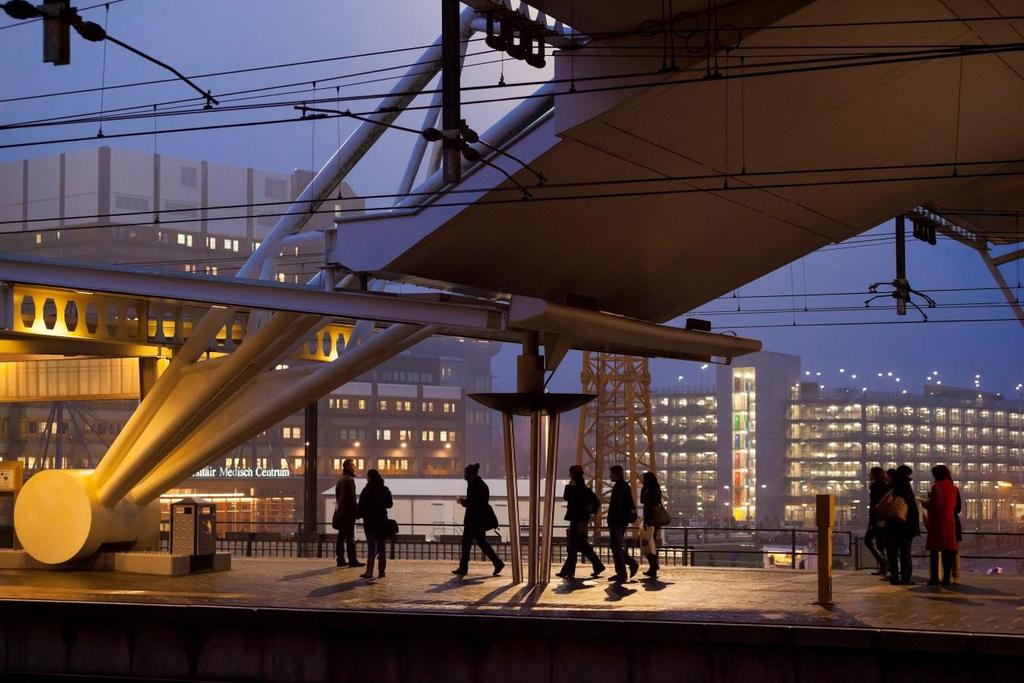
892 508
593 505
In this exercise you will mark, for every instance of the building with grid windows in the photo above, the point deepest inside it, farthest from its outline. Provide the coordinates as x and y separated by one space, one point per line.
760 445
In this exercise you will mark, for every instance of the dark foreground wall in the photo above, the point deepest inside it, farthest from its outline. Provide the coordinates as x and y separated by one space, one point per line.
87 641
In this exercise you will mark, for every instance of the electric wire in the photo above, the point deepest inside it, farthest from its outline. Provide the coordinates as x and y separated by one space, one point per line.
549 186
1013 47
796 66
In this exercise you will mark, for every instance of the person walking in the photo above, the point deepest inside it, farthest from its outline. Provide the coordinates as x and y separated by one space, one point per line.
874 537
941 505
478 520
650 498
374 501
345 513
581 505
900 533
621 513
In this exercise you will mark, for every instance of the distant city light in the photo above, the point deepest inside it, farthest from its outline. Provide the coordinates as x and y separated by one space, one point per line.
879 374
889 374
842 369
357 444
807 372
704 366
817 374
853 376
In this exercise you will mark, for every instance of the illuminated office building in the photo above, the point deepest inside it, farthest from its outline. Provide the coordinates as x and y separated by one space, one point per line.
759 446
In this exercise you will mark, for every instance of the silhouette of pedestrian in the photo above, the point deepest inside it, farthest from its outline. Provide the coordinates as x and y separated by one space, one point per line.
478 520
345 513
621 513
374 501
650 498
874 537
941 505
581 505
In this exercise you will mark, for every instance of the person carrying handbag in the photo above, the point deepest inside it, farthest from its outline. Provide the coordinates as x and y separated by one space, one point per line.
478 520
655 517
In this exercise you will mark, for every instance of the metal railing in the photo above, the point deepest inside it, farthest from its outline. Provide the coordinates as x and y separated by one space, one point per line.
681 545
977 547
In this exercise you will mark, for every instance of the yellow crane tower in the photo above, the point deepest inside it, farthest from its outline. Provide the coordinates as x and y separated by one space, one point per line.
616 428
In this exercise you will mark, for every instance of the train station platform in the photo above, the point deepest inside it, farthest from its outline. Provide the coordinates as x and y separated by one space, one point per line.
305 620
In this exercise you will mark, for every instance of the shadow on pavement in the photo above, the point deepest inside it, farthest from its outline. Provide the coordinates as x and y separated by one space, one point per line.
653 585
455 584
314 572
325 591
617 591
571 586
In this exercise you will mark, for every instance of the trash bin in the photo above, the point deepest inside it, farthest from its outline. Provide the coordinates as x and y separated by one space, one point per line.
193 527
10 483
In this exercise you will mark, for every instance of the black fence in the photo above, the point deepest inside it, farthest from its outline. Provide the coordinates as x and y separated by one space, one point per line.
679 546
979 551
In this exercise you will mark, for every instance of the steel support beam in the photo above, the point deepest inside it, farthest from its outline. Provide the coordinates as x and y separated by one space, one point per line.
512 495
451 91
253 410
311 494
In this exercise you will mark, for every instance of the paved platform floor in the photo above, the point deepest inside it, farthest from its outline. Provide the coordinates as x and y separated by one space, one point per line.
984 604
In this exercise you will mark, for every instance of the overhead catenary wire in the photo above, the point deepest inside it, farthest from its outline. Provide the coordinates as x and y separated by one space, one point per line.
550 186
1012 47
767 69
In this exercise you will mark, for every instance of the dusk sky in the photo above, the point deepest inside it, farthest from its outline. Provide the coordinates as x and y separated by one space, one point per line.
201 37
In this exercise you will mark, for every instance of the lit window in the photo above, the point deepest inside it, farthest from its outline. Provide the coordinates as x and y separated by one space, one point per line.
362 404
280 277
291 432
39 238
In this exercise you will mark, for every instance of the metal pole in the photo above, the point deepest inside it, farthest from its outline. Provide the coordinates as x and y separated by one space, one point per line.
309 464
549 498
451 90
535 448
826 518
511 489
901 247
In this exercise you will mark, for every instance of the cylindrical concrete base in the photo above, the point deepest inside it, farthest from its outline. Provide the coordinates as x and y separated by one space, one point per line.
59 519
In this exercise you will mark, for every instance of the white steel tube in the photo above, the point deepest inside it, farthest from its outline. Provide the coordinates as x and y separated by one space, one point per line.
549 497
512 493
197 344
259 351
536 445
271 409
352 150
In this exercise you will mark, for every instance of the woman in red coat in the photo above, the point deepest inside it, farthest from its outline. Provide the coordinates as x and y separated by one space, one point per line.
941 505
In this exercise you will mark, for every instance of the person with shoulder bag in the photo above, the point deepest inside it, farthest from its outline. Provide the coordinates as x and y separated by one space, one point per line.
621 513
902 524
374 501
581 505
346 511
478 520
655 517
874 537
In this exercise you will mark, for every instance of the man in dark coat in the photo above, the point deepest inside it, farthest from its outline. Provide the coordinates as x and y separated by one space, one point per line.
581 505
899 535
621 513
478 520
348 511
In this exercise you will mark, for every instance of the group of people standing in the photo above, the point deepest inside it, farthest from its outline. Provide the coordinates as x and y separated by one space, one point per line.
894 521
582 505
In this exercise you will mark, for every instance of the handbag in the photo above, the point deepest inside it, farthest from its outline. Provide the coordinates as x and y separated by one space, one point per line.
336 519
648 544
661 516
390 529
892 508
490 519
